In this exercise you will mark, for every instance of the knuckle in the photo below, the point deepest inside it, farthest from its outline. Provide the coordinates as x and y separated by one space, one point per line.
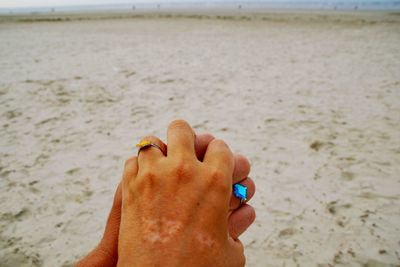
209 136
223 149
252 216
217 175
218 180
182 170
148 174
149 137
178 124
129 197
221 143
130 162
146 179
130 168
243 161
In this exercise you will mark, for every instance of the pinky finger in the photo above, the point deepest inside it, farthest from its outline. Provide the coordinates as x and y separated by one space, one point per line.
240 220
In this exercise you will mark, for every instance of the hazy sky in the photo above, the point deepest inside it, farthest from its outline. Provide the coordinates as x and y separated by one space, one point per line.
38 3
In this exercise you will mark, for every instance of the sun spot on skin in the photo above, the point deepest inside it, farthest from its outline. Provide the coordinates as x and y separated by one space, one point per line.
160 230
205 240
171 227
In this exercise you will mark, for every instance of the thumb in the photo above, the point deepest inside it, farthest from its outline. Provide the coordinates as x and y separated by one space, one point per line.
106 253
109 241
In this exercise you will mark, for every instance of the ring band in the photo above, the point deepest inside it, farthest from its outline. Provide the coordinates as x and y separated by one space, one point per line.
145 144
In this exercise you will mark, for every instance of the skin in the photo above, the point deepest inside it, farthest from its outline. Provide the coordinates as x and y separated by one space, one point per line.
239 217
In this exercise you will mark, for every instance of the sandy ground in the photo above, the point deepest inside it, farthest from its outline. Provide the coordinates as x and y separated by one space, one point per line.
314 103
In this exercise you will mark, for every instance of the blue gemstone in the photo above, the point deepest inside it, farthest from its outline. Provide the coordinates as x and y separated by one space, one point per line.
240 191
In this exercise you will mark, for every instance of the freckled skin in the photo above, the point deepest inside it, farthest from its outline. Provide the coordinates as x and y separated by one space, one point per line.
175 208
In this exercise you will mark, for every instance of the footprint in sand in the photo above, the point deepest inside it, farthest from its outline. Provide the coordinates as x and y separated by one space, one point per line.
334 206
348 176
128 73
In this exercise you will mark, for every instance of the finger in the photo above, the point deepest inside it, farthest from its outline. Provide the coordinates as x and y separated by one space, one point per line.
180 139
97 257
110 236
242 164
251 189
219 156
106 253
201 143
240 220
130 172
218 163
242 168
151 152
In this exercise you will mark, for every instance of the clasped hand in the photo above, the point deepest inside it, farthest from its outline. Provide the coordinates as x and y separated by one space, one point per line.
174 206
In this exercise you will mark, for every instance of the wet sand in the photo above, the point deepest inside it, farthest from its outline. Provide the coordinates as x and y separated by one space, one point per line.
312 99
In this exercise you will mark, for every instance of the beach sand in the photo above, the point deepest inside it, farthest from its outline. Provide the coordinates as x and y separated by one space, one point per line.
312 99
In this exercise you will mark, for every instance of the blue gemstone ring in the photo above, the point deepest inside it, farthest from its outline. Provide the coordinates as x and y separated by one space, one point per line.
240 191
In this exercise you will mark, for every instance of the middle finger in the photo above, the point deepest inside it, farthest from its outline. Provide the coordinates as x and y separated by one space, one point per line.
242 164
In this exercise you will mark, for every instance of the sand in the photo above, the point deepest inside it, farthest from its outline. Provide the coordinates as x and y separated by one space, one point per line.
313 100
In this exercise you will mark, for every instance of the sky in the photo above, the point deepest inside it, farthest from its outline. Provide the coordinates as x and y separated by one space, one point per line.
40 3
55 3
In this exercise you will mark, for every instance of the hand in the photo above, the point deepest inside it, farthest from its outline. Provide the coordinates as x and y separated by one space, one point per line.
241 216
175 208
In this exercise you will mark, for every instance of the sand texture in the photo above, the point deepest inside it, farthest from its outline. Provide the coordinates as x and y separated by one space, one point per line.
313 102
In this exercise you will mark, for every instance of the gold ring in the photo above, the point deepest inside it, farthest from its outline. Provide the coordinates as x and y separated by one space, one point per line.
145 144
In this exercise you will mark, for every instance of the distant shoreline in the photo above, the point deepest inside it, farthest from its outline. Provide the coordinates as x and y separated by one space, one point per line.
162 5
275 15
